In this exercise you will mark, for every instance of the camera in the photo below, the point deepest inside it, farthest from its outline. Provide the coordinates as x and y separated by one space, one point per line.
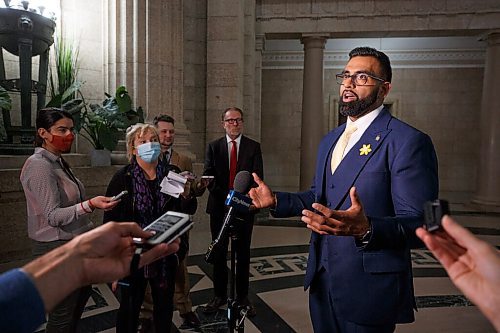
433 212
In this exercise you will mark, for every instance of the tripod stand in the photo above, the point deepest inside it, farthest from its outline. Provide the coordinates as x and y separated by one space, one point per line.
236 313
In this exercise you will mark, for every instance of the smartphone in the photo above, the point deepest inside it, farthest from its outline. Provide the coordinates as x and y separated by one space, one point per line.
166 228
119 195
433 213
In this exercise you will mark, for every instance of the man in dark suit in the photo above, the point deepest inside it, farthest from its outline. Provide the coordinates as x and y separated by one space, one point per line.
372 178
225 157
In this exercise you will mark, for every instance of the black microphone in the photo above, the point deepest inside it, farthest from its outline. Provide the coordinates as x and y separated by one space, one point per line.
237 202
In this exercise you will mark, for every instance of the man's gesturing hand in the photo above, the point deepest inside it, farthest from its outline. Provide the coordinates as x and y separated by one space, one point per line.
350 222
262 196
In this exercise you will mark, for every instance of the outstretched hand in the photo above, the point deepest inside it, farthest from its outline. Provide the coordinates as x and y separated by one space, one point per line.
472 264
101 255
262 196
350 222
103 202
106 252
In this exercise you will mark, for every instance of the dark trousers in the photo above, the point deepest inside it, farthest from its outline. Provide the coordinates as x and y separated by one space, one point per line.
243 230
325 316
132 296
65 316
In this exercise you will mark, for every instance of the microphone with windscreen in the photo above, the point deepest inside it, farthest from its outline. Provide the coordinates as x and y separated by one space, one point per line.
237 201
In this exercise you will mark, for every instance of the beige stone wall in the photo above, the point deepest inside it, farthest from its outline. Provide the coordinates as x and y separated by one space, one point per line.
82 23
280 127
195 73
446 104
442 102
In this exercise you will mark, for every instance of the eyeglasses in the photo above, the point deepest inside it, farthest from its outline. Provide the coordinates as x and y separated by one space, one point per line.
358 79
234 121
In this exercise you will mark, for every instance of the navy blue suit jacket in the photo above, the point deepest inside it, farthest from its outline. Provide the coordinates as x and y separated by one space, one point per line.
372 284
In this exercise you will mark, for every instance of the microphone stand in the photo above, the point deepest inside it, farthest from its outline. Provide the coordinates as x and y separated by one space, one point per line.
236 313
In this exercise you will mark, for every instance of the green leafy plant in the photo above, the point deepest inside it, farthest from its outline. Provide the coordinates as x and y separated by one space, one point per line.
63 83
103 124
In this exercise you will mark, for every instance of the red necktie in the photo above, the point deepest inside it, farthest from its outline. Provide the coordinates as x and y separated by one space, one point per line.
232 164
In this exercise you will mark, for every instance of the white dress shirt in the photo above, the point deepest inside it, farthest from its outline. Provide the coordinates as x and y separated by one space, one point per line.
361 124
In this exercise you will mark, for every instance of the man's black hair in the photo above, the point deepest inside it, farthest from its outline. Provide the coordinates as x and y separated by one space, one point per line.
163 117
382 58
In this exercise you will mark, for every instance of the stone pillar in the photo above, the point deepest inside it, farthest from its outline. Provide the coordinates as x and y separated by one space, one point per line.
225 61
488 181
146 54
312 106
259 48
252 122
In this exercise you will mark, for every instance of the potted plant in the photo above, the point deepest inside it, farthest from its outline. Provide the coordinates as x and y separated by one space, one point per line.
103 124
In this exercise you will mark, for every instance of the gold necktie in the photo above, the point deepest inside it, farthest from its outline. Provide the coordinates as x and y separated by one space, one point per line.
338 151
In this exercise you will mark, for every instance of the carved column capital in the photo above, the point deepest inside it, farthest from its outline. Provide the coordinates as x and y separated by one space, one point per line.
314 41
491 37
260 42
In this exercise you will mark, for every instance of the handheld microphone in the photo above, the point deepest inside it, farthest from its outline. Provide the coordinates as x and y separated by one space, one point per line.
241 203
237 201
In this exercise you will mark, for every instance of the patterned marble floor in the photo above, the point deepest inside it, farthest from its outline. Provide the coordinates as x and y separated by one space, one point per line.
279 256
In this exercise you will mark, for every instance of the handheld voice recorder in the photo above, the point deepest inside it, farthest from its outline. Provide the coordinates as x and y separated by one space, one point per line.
166 228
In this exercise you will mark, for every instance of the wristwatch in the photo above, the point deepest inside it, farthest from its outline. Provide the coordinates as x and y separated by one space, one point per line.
366 237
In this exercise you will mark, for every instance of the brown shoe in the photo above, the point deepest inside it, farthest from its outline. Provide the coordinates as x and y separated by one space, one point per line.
191 320
214 305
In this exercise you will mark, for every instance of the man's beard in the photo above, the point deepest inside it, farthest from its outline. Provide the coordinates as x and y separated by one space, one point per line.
358 107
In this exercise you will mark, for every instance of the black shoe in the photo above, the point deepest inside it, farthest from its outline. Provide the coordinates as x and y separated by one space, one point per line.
145 325
214 304
251 312
190 320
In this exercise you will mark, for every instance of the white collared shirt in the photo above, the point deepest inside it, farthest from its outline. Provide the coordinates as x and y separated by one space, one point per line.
361 124
168 154
230 146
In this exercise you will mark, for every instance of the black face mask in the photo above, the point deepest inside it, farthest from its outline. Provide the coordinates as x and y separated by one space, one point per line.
358 107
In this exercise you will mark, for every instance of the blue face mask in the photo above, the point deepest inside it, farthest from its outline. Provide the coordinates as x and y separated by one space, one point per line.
149 151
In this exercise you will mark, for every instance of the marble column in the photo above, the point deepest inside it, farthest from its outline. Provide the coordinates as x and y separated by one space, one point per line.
145 53
259 48
225 61
312 106
488 178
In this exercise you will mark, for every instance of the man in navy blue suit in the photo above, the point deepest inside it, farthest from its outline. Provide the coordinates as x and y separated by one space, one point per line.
373 175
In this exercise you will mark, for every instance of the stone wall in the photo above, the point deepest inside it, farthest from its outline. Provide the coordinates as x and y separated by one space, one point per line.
195 73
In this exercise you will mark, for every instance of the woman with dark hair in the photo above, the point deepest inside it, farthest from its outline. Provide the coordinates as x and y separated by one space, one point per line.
56 205
144 203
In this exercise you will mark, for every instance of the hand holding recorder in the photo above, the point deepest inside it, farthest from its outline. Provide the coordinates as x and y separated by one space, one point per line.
472 264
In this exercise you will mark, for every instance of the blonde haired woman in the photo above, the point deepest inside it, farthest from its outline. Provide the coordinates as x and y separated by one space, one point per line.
143 204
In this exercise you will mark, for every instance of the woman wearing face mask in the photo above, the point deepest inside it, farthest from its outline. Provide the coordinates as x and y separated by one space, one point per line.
56 206
143 204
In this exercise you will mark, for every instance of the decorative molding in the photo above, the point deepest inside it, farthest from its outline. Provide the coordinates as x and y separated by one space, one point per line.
370 15
465 58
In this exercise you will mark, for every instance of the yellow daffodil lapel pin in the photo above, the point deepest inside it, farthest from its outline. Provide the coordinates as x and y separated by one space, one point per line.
365 150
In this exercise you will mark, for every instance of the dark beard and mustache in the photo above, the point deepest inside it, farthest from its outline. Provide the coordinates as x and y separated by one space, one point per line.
358 107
